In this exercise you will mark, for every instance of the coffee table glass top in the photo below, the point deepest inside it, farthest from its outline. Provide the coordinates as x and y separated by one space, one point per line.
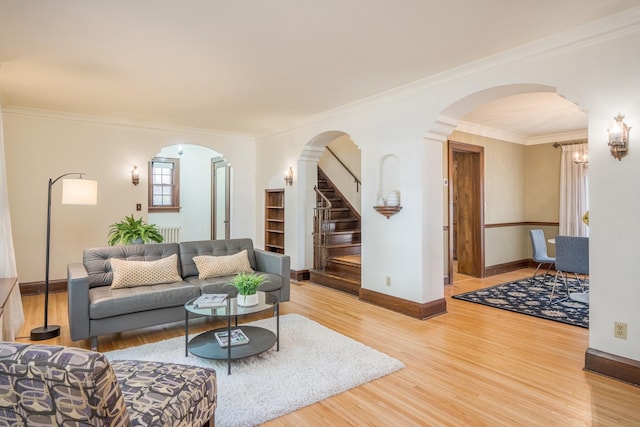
231 308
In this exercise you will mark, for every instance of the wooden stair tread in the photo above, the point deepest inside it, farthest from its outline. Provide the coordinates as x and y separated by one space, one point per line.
342 245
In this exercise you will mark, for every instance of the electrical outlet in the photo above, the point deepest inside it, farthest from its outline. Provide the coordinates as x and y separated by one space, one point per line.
620 330
388 280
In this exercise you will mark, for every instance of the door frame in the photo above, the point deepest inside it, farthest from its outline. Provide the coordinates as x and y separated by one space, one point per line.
218 163
478 199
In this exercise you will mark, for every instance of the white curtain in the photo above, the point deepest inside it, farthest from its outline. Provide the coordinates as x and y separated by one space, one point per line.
13 314
574 194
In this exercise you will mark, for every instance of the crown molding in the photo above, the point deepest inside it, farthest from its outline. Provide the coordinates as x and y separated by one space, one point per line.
15 110
502 135
597 31
491 133
559 137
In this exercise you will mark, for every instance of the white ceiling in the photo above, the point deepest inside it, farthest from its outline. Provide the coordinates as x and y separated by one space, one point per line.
255 66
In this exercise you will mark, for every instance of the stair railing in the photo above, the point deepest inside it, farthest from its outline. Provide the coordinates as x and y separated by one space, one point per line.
321 230
355 178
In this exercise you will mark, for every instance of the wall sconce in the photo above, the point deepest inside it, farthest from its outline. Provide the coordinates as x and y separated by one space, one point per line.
135 175
619 137
288 176
180 149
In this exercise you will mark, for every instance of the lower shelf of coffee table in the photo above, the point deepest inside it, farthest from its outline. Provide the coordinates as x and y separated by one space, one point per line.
206 346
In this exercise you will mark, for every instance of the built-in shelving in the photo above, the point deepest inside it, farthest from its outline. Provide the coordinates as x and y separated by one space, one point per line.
274 220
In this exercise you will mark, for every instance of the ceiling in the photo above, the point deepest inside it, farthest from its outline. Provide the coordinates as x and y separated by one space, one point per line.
256 67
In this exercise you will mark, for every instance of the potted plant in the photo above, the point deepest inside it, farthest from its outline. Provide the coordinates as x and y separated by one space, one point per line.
133 231
247 285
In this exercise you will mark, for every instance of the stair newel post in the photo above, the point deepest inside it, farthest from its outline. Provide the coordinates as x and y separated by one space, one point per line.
322 217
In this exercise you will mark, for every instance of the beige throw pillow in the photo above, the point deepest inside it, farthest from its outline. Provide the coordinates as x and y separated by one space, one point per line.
217 266
129 274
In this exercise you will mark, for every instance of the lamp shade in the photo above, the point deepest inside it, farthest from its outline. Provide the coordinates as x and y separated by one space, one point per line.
79 192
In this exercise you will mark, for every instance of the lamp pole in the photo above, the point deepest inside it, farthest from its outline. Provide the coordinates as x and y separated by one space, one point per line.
48 331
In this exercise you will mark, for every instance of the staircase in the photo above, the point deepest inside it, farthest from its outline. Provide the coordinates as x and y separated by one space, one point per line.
336 240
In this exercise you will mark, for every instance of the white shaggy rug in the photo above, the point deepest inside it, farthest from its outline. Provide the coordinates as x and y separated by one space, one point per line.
313 364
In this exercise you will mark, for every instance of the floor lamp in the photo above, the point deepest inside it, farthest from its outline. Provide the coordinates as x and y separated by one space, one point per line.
76 191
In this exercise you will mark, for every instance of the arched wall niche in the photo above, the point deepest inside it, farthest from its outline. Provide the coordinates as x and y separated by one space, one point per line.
390 177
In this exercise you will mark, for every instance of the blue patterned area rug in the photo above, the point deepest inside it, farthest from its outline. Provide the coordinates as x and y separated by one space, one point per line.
531 297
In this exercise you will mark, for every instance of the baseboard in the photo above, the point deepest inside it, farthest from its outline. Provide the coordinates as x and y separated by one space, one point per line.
299 275
610 365
507 267
410 308
34 288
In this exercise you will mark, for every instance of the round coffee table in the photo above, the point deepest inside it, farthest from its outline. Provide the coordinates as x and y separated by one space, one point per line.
205 344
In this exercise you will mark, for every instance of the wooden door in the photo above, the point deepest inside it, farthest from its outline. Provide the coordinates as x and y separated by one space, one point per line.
466 209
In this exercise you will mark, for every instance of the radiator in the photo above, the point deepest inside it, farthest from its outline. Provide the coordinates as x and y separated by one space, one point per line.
170 234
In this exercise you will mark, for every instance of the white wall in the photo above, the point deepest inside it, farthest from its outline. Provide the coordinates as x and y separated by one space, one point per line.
349 155
591 66
40 145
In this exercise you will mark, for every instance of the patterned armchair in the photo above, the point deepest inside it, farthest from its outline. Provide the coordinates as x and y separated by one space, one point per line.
43 385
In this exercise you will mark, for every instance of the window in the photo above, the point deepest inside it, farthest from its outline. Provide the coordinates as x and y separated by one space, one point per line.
164 185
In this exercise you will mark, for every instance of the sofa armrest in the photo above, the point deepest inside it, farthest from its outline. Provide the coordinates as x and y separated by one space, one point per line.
78 300
271 262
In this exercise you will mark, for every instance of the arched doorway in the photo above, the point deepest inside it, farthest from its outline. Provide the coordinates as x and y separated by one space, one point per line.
205 180
497 231
331 194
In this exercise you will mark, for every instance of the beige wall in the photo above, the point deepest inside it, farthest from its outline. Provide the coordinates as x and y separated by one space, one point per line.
522 184
543 183
41 145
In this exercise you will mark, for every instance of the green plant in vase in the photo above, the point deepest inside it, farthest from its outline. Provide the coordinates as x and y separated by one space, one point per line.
131 231
247 285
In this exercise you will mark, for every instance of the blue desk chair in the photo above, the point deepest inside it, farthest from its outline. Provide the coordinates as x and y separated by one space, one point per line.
572 256
539 246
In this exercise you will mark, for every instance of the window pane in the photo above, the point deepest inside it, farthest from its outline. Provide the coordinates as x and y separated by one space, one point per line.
163 185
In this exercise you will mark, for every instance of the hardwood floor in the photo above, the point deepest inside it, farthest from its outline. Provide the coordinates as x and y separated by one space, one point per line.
474 366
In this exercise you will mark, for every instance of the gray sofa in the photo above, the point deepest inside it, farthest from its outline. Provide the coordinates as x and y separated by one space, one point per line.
96 309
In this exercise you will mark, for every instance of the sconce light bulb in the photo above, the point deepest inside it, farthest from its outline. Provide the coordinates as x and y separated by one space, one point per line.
288 176
619 137
135 175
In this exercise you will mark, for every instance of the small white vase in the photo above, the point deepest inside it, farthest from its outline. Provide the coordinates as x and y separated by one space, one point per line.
248 300
393 198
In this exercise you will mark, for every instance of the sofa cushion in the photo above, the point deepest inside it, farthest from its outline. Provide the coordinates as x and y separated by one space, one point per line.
223 284
128 274
216 266
188 250
53 385
106 302
96 260
166 394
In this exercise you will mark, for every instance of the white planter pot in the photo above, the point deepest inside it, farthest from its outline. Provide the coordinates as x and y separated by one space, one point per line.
248 300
